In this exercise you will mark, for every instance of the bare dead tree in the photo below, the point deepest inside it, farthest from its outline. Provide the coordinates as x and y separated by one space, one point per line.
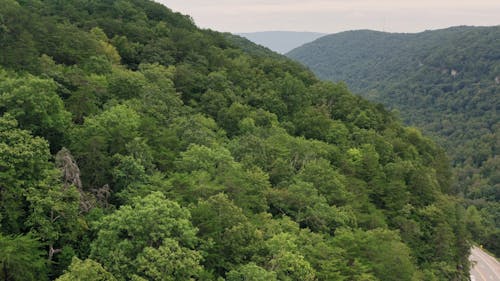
70 173
102 195
69 169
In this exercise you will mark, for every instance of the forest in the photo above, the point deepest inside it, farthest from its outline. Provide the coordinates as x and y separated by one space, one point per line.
446 82
136 146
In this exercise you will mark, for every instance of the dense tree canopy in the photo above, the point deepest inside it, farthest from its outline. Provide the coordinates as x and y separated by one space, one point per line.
135 146
446 82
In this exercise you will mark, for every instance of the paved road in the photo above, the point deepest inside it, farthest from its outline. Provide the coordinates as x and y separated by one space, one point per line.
484 266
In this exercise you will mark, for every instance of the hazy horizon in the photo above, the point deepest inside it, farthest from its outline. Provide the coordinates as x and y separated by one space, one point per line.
239 16
326 33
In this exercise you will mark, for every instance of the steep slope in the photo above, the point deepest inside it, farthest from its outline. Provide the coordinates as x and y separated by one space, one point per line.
446 82
135 146
282 41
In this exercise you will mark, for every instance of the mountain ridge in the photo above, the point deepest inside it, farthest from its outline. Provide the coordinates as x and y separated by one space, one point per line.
443 81
281 41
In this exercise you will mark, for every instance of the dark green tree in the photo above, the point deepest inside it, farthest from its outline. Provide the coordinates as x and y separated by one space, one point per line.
22 258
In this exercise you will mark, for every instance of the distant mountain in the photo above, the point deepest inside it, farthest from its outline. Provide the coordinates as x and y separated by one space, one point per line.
253 48
282 41
446 82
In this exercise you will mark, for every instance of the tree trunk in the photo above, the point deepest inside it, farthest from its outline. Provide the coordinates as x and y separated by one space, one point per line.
53 251
5 272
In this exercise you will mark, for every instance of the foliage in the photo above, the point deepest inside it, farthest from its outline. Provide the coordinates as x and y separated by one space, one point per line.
189 158
87 270
146 237
445 82
21 258
24 162
35 105
250 272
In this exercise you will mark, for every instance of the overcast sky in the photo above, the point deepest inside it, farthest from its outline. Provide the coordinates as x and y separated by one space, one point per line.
330 16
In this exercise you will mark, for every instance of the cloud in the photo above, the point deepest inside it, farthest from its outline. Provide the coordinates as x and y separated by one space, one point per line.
337 15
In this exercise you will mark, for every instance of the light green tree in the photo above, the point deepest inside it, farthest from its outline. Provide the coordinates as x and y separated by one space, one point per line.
101 137
36 106
292 267
379 252
24 162
87 270
54 212
170 262
250 272
235 240
141 235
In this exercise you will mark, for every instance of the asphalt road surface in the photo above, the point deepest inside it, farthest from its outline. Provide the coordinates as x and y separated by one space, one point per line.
484 266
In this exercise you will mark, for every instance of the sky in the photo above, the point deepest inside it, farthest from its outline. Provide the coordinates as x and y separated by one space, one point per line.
336 15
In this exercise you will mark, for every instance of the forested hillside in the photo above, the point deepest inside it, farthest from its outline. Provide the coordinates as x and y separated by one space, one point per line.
446 82
135 146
